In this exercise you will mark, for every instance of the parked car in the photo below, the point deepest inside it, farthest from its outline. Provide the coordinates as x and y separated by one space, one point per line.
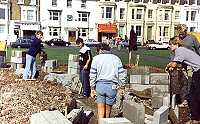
57 42
91 43
22 42
153 46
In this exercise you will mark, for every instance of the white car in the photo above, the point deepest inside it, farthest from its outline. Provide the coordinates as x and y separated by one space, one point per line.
164 45
91 42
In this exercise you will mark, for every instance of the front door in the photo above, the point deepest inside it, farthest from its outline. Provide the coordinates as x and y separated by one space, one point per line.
149 33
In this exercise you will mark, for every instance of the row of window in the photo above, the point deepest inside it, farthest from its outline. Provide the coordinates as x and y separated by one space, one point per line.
56 31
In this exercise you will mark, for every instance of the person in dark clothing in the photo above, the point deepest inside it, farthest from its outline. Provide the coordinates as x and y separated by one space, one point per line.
31 56
132 43
85 59
188 57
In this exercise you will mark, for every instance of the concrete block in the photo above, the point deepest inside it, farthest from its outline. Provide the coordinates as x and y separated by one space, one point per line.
160 116
166 100
157 101
139 79
75 115
73 57
114 121
51 63
49 117
159 78
73 67
160 90
135 112
136 79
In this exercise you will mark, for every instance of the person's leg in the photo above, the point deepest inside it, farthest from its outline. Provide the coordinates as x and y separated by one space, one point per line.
33 68
108 110
86 83
100 110
27 67
194 100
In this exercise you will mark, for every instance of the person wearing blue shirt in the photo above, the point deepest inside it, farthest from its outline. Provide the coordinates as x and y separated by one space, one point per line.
31 56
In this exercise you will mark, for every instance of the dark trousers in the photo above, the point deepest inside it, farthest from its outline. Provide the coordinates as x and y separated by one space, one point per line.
84 78
194 96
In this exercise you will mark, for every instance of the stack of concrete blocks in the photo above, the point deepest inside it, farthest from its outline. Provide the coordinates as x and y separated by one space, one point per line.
50 65
140 75
49 117
160 90
114 121
64 79
73 64
16 59
135 112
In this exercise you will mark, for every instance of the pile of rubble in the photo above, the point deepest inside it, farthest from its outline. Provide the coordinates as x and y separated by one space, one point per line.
19 99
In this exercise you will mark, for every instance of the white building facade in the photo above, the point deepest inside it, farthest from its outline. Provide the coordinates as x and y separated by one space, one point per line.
68 19
4 20
190 15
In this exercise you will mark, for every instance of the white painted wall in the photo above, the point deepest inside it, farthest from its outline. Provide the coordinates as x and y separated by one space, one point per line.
64 24
190 23
4 23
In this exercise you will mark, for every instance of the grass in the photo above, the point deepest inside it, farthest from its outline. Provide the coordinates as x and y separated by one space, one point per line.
158 58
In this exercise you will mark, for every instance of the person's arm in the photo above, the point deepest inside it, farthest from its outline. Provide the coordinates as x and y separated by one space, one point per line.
196 46
121 74
89 59
93 77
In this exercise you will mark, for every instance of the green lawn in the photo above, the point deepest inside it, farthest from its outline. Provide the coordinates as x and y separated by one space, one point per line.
158 58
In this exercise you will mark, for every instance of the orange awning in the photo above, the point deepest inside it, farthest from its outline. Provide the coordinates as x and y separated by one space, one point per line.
107 28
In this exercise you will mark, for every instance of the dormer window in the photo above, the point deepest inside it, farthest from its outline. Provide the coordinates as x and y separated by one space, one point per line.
54 2
4 1
32 2
69 3
20 2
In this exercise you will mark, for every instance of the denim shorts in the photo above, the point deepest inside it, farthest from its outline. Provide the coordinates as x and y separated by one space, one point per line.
104 93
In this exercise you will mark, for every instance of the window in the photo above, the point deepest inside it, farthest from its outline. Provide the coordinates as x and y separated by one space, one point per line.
5 1
83 32
108 12
54 31
192 29
102 12
160 31
166 30
2 28
20 2
177 14
167 14
160 15
69 3
150 11
138 30
30 14
187 15
54 2
139 14
2 13
122 14
33 2
54 15
192 2
133 15
193 15
83 17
